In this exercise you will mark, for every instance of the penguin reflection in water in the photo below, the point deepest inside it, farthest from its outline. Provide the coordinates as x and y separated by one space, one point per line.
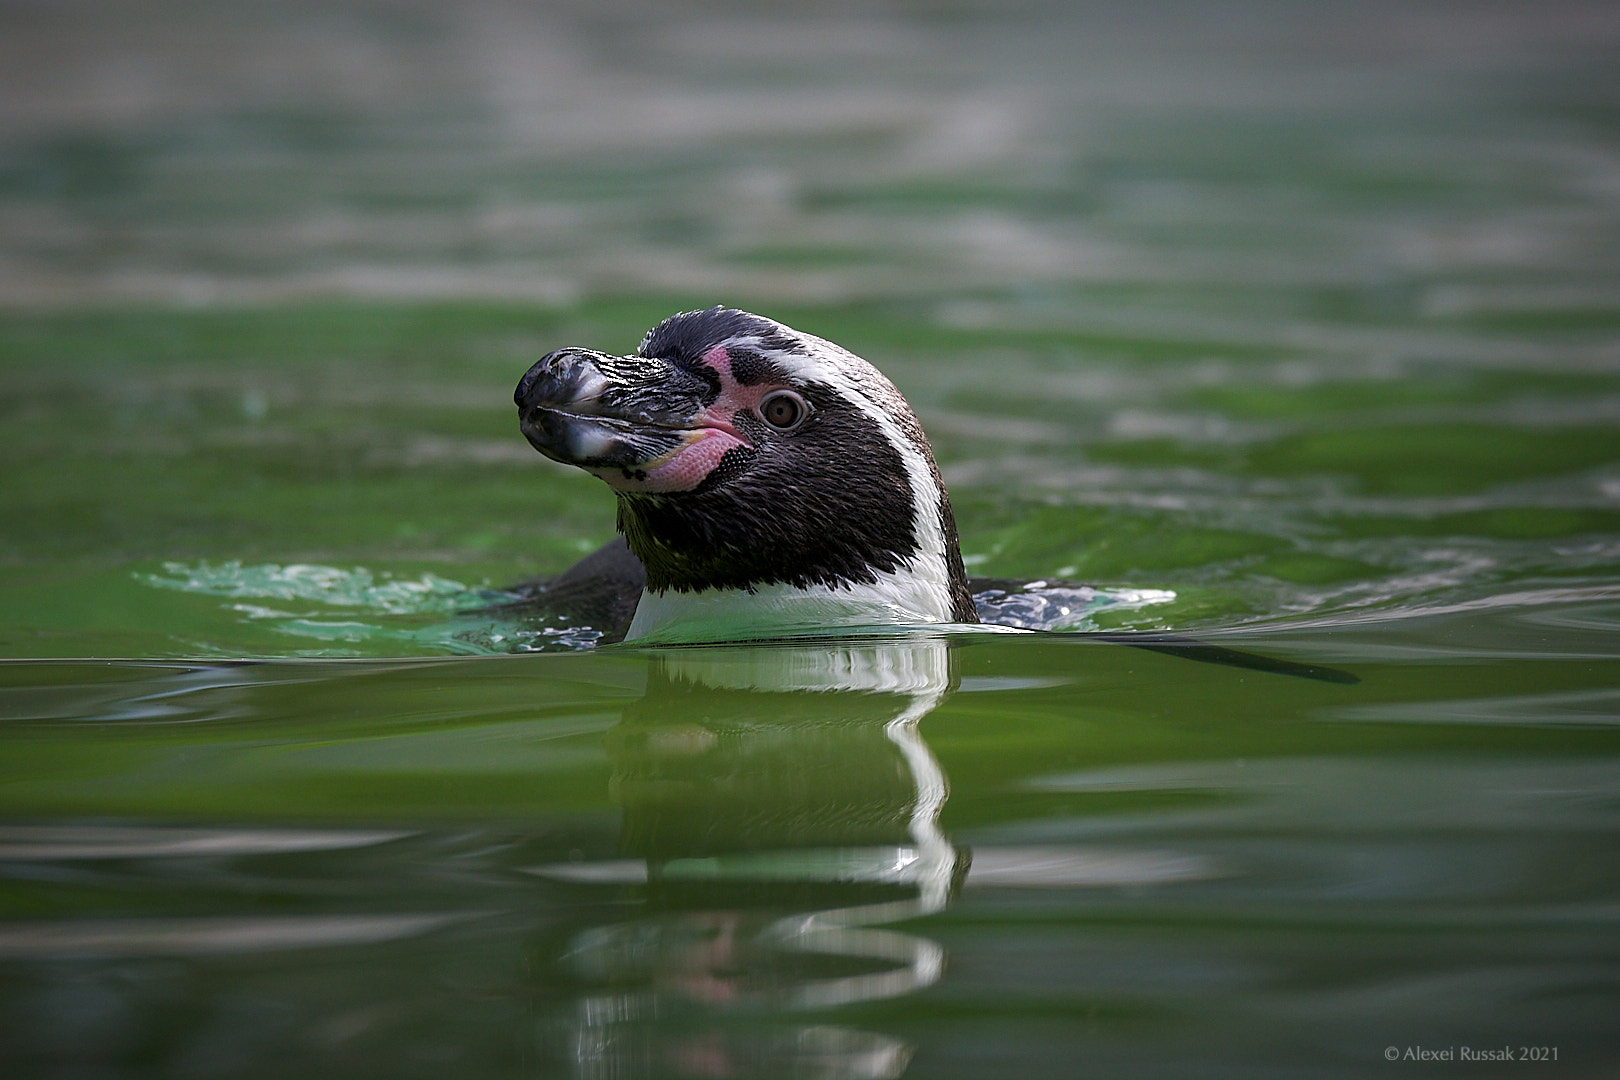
780 808
770 484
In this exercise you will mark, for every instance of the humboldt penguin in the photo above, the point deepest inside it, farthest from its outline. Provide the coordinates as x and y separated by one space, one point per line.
768 482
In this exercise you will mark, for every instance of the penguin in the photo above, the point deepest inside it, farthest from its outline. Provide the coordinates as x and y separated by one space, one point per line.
769 483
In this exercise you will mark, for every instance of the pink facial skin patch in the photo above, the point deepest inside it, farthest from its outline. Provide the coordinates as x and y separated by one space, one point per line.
734 396
720 360
682 469
685 467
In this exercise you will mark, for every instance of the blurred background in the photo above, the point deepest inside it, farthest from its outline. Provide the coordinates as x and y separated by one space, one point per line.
1292 308
243 152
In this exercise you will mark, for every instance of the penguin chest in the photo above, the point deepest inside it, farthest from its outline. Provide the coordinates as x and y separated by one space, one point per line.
902 598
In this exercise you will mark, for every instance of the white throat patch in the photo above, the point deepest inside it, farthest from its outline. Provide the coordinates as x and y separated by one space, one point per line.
901 598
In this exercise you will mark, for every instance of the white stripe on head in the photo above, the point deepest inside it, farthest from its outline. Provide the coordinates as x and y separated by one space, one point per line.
844 372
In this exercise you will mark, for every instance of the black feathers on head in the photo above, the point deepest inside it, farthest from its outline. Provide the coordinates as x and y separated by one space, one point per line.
684 338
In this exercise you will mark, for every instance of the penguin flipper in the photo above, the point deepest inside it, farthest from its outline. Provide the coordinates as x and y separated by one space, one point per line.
600 591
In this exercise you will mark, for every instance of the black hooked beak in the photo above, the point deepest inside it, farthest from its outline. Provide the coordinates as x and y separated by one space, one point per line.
596 411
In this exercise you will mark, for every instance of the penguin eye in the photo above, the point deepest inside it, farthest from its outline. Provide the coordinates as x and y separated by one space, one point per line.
784 410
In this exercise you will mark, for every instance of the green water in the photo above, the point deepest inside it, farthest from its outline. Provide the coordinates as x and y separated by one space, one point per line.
1301 323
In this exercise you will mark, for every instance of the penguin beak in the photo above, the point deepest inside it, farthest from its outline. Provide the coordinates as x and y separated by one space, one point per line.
630 420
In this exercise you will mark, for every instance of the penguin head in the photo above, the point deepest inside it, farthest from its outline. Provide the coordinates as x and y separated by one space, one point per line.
745 453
